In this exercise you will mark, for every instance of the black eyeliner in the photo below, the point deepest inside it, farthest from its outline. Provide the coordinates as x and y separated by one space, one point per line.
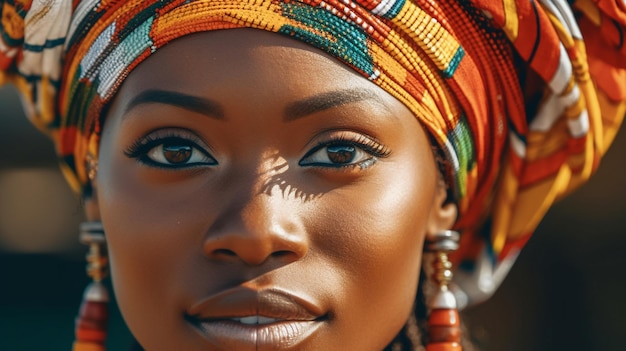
140 148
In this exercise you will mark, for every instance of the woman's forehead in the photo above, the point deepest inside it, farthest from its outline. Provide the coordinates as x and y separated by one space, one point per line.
228 66
232 54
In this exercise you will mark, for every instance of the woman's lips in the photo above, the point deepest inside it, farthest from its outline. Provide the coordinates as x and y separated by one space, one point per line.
243 318
231 335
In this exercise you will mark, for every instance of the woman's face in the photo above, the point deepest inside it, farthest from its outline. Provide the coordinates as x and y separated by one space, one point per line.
258 195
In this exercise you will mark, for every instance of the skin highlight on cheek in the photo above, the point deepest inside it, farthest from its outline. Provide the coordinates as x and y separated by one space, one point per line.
306 229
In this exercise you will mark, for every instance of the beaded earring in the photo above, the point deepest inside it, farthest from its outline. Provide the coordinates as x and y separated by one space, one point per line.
91 323
444 330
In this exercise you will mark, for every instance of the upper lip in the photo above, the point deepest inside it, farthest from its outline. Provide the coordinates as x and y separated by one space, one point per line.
244 302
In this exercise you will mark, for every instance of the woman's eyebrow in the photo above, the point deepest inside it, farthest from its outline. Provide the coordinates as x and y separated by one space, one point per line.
325 101
189 102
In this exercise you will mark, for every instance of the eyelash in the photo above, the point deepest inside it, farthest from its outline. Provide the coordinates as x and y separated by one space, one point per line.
140 149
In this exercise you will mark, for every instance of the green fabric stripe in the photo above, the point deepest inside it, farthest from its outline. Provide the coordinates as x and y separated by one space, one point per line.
454 63
461 139
342 39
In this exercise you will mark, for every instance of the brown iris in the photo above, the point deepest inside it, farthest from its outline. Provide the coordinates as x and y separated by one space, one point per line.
177 154
340 153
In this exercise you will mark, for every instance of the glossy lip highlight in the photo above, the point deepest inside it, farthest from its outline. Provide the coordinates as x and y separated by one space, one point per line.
246 319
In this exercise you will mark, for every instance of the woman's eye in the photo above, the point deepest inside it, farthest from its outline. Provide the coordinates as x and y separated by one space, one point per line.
170 152
337 155
178 154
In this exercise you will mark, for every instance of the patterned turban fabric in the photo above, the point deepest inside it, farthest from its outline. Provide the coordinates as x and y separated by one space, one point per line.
522 97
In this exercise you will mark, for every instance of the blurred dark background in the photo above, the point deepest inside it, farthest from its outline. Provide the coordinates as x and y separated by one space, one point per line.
566 292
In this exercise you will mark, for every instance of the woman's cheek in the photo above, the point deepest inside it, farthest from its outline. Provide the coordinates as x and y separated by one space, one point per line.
372 233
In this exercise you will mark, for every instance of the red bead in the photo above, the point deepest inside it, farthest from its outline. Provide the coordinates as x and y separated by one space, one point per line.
444 317
94 311
444 346
93 335
91 324
444 334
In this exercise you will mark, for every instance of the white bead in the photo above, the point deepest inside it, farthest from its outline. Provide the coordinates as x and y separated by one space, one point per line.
96 292
443 299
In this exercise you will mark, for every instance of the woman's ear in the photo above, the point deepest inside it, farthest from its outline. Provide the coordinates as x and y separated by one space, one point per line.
443 213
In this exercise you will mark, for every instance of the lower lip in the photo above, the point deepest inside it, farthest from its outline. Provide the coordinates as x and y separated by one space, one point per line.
231 335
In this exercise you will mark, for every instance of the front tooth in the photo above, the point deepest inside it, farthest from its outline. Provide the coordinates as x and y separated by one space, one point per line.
249 320
266 320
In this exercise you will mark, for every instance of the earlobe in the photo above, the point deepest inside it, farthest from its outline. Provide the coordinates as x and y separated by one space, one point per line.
443 213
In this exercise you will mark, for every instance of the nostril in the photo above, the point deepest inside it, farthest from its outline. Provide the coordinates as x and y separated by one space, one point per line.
285 255
224 252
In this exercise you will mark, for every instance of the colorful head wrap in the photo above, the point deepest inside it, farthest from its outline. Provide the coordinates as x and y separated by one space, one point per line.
522 96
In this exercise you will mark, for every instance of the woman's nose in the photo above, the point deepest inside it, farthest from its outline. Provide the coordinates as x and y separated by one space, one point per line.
258 228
